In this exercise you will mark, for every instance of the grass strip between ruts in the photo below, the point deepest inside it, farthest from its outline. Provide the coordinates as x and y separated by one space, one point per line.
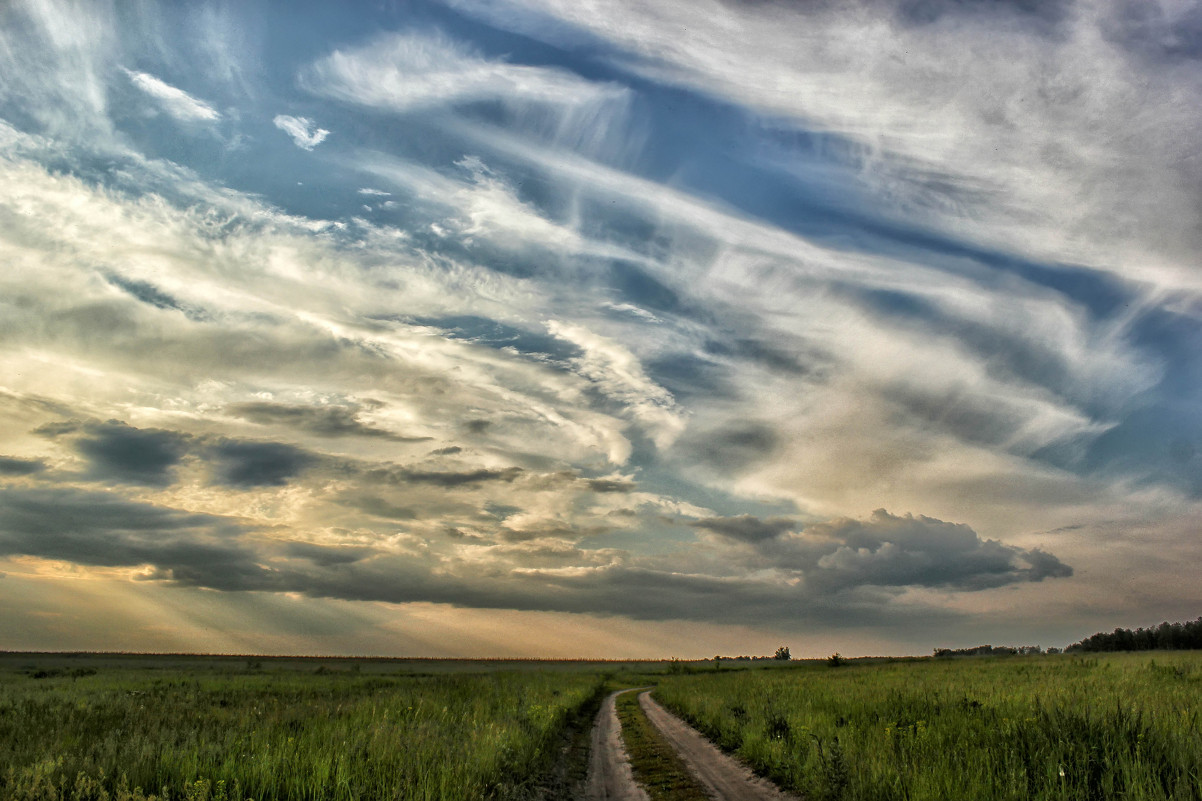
656 765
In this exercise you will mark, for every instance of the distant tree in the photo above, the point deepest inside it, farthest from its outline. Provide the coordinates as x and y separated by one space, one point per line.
835 660
1167 636
782 654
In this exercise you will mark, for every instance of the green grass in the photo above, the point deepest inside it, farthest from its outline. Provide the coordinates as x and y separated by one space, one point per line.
235 731
1119 726
656 766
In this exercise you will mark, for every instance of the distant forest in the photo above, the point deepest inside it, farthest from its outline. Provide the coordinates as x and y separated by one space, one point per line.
1166 636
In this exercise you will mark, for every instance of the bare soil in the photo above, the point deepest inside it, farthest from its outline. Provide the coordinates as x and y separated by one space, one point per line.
723 777
609 776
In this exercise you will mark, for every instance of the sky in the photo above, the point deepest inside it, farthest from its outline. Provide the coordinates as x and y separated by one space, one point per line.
583 328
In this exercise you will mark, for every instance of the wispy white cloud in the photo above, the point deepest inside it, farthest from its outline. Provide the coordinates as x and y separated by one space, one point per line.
631 309
54 62
410 71
176 102
984 152
619 374
486 206
916 381
304 131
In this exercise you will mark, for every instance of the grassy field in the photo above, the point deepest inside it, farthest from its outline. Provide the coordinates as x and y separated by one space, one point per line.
1036 727
98 728
229 729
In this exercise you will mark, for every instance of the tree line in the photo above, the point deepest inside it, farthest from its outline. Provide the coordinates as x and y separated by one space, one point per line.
1165 637
994 650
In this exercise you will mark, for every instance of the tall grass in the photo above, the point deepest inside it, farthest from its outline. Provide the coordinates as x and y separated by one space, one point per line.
281 735
1120 726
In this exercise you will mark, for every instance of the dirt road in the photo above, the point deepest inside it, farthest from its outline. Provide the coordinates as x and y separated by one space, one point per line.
609 774
723 777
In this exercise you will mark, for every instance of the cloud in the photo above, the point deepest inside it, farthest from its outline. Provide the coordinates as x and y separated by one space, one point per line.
610 484
12 466
324 421
150 294
328 556
844 572
244 464
487 206
378 507
898 551
746 528
990 162
619 376
801 260
54 63
447 478
412 71
119 453
104 529
176 102
732 446
304 132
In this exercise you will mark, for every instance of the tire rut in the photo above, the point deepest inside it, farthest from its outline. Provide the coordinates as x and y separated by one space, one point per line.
723 777
610 777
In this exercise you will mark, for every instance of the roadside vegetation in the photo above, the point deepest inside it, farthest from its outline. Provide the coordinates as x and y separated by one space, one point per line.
656 766
1023 727
242 732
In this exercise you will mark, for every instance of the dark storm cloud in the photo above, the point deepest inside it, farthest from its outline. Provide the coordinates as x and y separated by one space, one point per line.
611 590
746 528
844 572
122 454
970 418
445 478
104 529
324 421
327 555
610 485
247 463
12 466
731 447
907 551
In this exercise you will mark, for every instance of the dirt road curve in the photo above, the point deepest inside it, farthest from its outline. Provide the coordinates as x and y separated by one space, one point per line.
609 774
723 777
